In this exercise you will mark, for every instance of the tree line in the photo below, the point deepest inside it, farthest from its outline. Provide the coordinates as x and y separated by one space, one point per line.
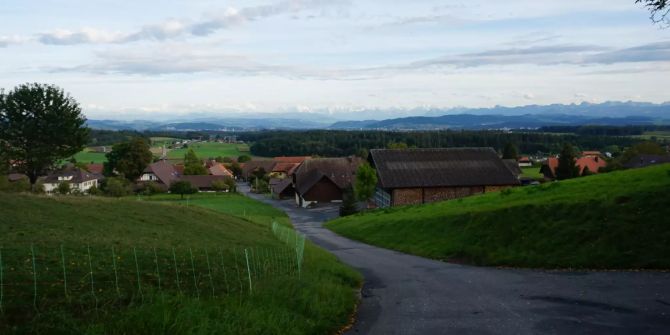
332 143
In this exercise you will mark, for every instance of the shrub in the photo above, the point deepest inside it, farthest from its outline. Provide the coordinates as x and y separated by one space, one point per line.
117 187
182 187
151 188
220 186
94 190
63 188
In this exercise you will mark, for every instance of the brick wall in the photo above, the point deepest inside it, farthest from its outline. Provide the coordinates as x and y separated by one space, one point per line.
446 193
407 196
496 188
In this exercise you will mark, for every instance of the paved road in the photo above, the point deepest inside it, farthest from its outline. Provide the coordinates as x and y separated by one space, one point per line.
405 294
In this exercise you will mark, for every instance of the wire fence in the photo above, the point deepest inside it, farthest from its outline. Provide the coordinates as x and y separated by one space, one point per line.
35 278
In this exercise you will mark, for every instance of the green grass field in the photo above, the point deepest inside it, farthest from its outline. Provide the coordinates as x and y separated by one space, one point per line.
87 156
208 150
160 141
145 287
531 172
614 220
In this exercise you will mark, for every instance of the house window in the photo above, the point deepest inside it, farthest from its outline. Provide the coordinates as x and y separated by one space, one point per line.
382 198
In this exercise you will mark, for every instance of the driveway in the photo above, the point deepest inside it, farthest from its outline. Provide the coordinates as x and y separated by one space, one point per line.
406 294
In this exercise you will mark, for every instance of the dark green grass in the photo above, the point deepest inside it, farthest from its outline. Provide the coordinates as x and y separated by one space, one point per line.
317 302
615 220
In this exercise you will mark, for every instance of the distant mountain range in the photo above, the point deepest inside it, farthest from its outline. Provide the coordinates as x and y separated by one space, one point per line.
532 116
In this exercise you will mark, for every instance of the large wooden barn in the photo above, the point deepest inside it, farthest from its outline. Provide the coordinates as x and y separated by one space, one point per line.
417 176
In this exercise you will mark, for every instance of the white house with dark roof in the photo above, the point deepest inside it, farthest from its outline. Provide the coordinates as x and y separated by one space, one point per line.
79 180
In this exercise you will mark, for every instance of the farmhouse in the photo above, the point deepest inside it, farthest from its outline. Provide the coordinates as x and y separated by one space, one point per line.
255 166
203 183
161 172
218 169
644 160
79 179
524 161
417 176
282 188
324 179
590 163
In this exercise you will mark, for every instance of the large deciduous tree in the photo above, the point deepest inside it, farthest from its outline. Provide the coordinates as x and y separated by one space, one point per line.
129 158
660 10
193 164
567 167
39 125
366 182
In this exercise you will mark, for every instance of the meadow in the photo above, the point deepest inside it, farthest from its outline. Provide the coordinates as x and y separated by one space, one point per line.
613 220
211 150
119 266
531 172
88 156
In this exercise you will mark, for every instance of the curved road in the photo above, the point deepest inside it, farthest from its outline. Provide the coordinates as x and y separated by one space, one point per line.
406 294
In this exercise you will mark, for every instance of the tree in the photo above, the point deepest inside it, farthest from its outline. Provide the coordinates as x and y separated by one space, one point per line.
567 168
40 125
117 187
348 206
182 187
232 186
63 188
366 182
510 151
193 164
660 10
129 158
236 169
397 145
243 158
219 186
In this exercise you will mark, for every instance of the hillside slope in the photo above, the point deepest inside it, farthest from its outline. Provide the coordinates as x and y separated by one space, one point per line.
109 266
615 220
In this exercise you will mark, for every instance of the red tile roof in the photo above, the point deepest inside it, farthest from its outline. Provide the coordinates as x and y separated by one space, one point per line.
95 168
594 163
219 169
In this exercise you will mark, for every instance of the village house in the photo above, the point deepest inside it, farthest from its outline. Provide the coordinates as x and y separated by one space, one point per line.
79 179
162 173
417 176
524 161
640 161
282 188
589 162
254 166
286 165
204 183
218 169
322 180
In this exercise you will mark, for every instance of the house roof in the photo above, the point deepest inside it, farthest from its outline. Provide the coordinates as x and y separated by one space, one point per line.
287 168
513 166
77 176
254 165
202 181
16 177
440 167
591 153
95 168
164 171
594 163
340 171
291 159
219 169
280 185
524 159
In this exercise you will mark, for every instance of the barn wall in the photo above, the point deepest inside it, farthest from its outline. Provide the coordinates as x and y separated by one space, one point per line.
407 196
446 193
323 191
496 188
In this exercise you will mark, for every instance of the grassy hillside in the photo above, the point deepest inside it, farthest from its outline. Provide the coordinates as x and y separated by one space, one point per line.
615 220
123 277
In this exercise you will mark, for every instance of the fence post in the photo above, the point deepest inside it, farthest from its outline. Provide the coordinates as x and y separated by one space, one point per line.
90 272
246 255
209 269
32 253
62 257
195 281
223 266
176 269
137 270
158 272
116 275
2 283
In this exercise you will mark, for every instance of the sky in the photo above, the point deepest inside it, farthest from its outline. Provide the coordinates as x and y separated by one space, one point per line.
153 59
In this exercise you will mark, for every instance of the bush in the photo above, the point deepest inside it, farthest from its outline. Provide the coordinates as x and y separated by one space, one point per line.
220 186
94 190
151 188
117 187
22 185
63 188
182 187
348 206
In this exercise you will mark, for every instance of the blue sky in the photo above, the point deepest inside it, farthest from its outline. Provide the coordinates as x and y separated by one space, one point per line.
145 59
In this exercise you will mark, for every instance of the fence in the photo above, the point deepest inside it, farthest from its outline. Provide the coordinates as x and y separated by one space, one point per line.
38 277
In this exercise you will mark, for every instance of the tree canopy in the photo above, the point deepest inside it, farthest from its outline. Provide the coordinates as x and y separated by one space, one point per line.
193 164
659 9
182 187
39 125
129 158
567 167
366 182
510 151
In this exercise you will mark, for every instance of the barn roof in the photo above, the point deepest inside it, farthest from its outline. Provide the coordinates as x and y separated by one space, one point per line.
440 167
165 171
340 171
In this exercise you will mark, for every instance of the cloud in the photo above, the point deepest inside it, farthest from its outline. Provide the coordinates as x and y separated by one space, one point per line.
174 28
654 52
6 41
